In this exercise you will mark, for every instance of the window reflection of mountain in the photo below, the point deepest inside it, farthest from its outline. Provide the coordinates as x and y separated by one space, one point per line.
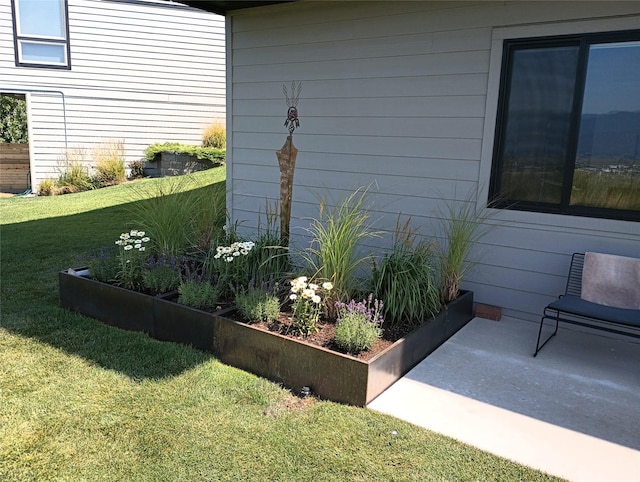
612 138
605 140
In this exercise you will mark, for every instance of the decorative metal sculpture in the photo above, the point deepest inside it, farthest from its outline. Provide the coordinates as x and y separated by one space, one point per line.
292 114
287 159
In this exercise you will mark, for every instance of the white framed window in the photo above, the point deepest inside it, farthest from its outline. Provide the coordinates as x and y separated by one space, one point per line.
41 33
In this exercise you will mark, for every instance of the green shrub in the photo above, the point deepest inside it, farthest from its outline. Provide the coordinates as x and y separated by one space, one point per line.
161 274
103 264
405 279
197 294
213 154
136 169
13 120
358 324
47 188
258 304
215 135
108 158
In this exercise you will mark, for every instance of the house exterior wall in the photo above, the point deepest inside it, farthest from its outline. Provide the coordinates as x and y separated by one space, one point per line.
402 97
141 72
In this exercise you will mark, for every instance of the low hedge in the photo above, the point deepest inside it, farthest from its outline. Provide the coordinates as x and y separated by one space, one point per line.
212 154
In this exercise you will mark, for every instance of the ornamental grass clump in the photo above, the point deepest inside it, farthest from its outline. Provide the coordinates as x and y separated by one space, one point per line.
259 303
131 257
359 324
214 135
108 159
462 227
335 236
307 304
182 214
74 175
270 257
405 279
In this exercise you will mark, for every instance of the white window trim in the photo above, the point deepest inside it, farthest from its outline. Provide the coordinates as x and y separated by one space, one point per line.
41 62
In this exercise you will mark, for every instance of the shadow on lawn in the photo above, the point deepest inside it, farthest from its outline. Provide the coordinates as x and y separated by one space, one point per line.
33 252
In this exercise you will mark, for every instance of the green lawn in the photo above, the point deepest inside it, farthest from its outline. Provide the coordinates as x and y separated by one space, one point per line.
83 401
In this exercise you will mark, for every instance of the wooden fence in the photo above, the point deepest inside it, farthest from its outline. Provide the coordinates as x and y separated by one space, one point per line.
14 167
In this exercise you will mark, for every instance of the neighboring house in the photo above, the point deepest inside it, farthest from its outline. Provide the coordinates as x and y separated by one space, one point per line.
428 101
95 71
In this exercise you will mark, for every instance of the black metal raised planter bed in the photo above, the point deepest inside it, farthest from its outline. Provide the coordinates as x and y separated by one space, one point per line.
294 364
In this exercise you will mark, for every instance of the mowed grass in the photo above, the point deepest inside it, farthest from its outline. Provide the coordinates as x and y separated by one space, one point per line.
80 400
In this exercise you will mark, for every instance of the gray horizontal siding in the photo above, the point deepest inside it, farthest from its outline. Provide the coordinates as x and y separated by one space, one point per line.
394 96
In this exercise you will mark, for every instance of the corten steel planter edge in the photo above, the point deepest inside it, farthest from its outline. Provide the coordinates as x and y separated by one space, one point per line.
296 364
157 316
110 304
293 363
179 323
390 365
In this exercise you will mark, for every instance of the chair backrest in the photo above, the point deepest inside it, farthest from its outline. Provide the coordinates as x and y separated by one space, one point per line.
574 280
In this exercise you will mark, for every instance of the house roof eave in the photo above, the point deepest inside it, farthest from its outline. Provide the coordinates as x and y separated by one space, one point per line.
222 7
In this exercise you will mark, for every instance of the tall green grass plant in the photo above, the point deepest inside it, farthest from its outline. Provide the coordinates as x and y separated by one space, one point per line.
406 279
463 224
179 214
333 254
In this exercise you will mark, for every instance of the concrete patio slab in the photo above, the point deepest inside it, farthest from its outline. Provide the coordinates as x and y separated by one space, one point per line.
573 412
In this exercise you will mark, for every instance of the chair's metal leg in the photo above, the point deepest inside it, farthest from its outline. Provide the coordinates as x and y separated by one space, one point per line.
544 316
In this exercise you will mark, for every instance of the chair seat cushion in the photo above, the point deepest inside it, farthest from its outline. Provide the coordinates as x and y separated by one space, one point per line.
577 306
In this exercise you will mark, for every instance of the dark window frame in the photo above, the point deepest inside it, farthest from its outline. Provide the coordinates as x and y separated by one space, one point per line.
17 37
582 41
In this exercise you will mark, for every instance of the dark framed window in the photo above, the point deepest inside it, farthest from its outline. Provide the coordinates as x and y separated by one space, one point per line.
568 126
41 33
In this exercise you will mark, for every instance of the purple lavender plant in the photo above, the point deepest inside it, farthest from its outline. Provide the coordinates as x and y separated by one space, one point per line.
161 273
358 324
369 309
